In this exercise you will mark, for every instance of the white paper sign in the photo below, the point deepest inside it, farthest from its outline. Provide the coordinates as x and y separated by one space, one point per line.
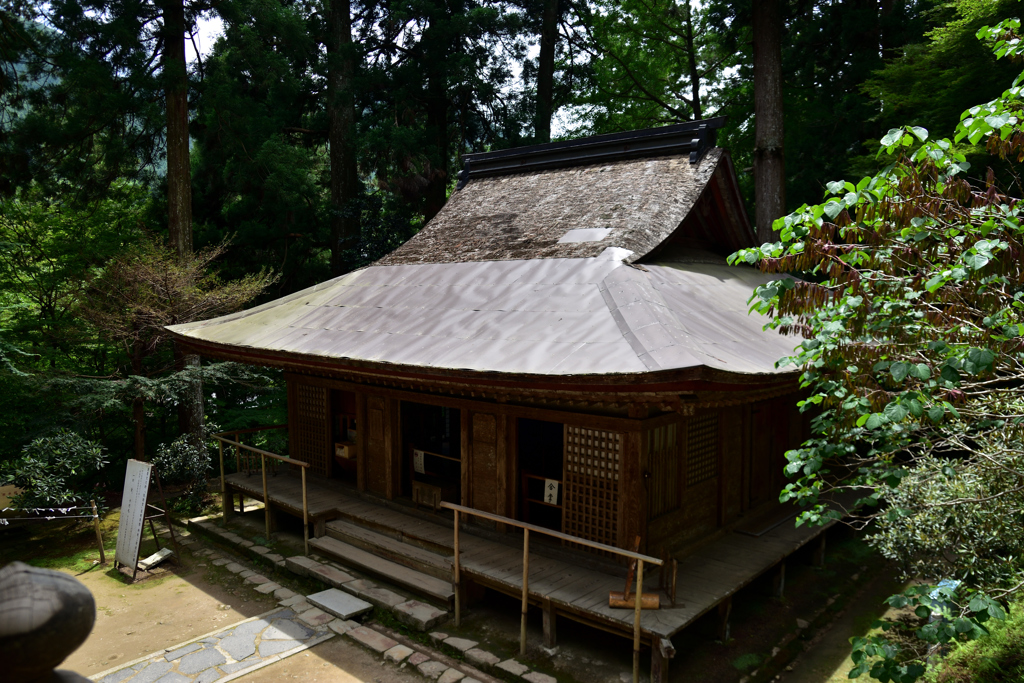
133 512
417 462
551 491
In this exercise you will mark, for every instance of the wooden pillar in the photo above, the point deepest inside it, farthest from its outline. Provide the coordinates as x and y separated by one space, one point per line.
724 627
392 448
631 498
779 580
465 423
361 440
818 557
662 651
501 469
550 624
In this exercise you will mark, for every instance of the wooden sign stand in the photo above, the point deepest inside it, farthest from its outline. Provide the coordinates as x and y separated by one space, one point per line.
134 506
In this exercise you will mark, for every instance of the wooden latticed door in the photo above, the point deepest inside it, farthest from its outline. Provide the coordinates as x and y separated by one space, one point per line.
593 461
309 427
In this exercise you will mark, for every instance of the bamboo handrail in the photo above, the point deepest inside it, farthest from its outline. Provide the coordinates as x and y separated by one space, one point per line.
221 438
527 528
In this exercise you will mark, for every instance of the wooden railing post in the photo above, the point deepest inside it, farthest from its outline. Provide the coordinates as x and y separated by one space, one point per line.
526 591
266 495
305 514
223 483
636 620
458 587
99 536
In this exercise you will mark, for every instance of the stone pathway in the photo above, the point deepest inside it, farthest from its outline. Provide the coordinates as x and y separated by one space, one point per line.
226 655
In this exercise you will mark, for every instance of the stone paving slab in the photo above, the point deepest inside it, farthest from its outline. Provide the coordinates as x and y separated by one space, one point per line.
339 603
481 658
432 669
268 587
451 676
419 615
461 644
513 667
398 653
226 654
378 642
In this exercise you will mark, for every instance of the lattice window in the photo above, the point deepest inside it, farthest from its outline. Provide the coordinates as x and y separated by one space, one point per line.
591 496
310 433
702 449
663 459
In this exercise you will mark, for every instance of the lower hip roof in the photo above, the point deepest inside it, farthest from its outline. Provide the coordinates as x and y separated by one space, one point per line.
545 317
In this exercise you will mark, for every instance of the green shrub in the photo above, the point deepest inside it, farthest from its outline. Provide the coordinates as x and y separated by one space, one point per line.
55 471
996 658
183 461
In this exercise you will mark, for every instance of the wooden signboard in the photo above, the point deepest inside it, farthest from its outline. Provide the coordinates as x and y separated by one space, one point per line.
133 513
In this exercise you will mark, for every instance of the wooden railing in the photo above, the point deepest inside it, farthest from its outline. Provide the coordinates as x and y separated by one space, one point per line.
527 528
222 439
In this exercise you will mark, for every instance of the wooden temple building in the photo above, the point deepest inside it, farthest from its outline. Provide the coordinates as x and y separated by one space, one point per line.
563 345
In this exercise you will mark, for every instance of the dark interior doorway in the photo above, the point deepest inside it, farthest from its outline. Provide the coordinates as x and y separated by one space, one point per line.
343 435
541 450
431 453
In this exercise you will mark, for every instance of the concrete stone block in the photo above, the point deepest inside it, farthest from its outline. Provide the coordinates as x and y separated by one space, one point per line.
331 576
438 636
431 669
417 658
245 543
274 557
221 561
260 549
235 568
339 626
292 601
301 565
246 574
378 642
513 667
418 615
316 617
538 677
258 579
398 653
268 587
481 658
461 644
283 593
451 676
339 603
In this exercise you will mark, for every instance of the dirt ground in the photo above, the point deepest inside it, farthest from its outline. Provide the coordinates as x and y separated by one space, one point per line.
135 620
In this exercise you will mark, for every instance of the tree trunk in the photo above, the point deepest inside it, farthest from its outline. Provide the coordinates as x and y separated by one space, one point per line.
179 172
546 71
691 55
341 110
437 132
769 162
179 185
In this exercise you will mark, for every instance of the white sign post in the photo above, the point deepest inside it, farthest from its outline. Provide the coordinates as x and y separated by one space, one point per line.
133 513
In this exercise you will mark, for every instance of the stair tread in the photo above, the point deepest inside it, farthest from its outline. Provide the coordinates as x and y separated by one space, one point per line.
415 553
399 574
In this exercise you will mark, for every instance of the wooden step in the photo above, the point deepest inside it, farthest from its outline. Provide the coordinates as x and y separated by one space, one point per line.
389 548
402 527
392 572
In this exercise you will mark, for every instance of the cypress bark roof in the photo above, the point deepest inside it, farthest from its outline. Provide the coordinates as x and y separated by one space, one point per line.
632 205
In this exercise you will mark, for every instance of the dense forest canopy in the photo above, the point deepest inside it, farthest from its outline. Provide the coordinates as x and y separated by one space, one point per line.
321 135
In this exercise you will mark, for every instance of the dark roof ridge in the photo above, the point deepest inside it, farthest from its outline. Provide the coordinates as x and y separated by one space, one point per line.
694 137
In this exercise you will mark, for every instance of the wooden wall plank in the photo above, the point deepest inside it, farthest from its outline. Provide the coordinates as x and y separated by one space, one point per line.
361 432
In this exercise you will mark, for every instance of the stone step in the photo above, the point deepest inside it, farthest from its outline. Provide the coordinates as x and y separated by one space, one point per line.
390 548
392 572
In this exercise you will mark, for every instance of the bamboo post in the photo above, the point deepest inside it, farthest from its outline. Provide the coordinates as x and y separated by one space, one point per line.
266 496
636 620
99 536
305 512
526 590
458 588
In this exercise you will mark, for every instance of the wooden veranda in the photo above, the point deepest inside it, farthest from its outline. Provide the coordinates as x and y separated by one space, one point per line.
707 577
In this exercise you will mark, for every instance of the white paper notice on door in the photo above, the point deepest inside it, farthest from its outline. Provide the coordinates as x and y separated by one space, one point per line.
551 491
417 462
